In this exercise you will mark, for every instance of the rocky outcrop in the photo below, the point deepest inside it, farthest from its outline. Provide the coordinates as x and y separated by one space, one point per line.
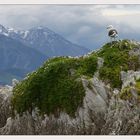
105 110
129 77
122 118
88 119
5 101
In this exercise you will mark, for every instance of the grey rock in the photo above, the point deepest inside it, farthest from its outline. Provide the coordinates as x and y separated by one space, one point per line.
129 77
87 119
102 113
5 104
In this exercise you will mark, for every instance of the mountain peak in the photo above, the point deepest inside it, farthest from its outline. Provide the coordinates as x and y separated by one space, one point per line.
42 29
44 40
1 26
3 30
40 41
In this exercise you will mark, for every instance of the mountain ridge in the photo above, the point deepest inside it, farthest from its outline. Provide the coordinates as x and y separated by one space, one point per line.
15 55
39 42
45 40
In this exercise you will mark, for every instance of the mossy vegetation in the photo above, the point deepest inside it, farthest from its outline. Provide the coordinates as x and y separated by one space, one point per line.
137 86
126 93
55 87
117 59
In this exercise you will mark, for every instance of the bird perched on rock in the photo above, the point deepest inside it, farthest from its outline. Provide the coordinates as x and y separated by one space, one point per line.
112 32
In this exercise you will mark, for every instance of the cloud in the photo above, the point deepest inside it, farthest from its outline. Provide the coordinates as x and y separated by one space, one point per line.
81 24
113 12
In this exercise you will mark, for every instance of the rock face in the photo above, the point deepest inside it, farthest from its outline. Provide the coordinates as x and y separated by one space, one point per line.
5 98
105 110
122 119
86 121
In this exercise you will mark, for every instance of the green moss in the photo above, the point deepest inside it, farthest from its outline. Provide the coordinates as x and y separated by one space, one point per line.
117 59
133 63
137 86
53 87
126 94
111 75
56 86
90 85
87 66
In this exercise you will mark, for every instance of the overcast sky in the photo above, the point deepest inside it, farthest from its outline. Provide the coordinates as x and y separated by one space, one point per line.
81 24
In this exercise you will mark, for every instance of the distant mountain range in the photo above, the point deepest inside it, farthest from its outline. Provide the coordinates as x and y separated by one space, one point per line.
44 40
23 51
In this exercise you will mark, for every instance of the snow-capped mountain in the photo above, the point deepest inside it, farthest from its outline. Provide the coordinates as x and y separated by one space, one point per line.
16 59
16 54
23 51
45 40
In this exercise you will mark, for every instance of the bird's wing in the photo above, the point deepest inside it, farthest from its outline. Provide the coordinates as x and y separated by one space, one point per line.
112 32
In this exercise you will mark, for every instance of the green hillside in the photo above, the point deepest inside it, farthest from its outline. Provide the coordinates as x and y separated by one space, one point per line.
57 85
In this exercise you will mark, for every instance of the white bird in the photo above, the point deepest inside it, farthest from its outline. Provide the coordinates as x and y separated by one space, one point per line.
112 33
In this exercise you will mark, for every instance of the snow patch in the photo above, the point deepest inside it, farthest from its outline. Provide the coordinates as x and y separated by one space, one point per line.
25 34
39 27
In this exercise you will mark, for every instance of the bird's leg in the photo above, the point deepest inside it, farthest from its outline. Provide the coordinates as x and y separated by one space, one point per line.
111 40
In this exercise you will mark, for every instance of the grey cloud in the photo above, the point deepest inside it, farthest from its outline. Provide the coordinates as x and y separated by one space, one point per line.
81 24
